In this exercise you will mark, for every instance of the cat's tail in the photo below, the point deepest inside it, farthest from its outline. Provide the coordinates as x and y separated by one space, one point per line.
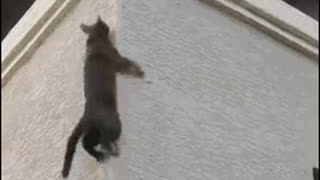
71 147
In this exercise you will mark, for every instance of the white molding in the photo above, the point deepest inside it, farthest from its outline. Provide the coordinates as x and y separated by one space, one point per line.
286 17
277 19
27 35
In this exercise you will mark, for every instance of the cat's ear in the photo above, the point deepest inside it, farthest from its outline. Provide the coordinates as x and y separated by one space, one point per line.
99 19
86 29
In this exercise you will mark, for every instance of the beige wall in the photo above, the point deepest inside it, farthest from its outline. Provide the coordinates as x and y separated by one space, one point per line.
226 101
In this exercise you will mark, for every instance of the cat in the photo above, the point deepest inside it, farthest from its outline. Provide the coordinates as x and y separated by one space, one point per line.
100 122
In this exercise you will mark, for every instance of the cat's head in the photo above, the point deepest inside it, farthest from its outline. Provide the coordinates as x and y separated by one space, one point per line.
100 29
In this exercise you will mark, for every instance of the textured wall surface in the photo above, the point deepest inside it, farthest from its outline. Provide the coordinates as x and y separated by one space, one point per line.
225 102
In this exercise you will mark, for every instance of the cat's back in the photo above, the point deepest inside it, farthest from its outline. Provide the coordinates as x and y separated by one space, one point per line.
99 79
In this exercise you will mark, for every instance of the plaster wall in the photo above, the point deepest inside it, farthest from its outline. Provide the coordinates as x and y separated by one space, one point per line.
225 101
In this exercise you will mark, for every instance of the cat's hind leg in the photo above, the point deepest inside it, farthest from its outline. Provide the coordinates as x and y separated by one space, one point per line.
89 141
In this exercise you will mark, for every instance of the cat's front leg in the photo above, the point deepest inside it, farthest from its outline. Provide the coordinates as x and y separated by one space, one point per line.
129 67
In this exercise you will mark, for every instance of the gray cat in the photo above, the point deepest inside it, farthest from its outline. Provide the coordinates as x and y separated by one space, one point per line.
100 122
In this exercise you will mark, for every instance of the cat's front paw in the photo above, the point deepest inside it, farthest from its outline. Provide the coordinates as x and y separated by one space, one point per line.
137 71
139 74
